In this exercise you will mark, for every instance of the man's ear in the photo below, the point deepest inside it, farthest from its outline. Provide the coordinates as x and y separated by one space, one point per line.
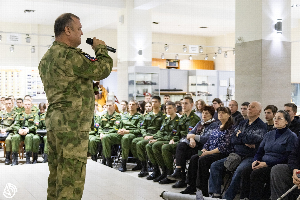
68 30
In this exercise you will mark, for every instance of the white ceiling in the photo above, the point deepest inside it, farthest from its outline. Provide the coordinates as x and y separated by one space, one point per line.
174 16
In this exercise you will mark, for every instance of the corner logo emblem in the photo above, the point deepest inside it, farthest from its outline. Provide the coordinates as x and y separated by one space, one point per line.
9 190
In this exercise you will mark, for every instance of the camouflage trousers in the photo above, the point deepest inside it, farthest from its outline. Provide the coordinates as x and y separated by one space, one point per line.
141 148
32 142
8 143
45 144
15 141
94 140
154 152
168 151
67 164
115 138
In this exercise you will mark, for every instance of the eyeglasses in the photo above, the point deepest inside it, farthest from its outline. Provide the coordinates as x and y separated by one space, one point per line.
279 118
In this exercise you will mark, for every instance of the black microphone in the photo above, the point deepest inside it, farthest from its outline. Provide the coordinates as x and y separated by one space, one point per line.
90 42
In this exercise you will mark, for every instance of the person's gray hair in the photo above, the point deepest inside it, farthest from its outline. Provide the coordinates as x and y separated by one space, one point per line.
286 116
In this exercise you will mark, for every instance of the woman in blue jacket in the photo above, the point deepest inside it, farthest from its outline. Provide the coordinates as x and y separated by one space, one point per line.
274 149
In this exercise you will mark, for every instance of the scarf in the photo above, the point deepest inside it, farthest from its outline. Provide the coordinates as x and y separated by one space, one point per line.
201 126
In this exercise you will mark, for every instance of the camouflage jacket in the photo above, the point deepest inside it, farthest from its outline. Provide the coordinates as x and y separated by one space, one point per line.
34 109
187 123
95 126
7 120
152 123
19 110
132 123
168 130
67 74
109 123
42 124
30 121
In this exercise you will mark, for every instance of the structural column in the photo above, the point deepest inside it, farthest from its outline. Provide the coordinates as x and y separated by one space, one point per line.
263 56
134 34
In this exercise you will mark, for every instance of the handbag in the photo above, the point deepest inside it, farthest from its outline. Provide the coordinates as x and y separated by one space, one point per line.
41 132
232 162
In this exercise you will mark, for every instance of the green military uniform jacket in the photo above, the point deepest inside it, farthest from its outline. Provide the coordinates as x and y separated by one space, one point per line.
31 121
187 123
7 120
34 109
132 123
42 124
109 123
152 123
96 124
67 74
19 110
168 130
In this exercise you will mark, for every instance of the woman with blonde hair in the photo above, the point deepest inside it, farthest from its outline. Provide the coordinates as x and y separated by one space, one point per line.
200 104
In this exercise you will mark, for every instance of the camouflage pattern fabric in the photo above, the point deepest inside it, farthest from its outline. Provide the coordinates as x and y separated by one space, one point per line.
19 110
67 74
7 121
94 137
42 126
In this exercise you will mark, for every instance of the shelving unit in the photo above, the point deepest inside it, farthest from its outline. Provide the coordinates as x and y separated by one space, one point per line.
142 80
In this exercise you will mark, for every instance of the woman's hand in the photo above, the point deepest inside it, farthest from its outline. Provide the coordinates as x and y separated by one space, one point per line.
260 165
206 153
189 136
192 143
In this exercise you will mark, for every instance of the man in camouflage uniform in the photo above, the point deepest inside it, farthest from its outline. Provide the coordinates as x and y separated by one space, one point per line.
67 74
42 126
167 133
150 126
7 120
128 130
109 123
186 123
19 108
26 125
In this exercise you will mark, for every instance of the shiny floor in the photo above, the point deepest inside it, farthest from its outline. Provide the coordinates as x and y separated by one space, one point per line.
101 182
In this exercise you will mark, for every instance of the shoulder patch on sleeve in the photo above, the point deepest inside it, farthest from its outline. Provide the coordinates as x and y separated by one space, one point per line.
90 57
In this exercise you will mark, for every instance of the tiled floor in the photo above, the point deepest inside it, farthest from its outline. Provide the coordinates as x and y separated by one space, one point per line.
101 182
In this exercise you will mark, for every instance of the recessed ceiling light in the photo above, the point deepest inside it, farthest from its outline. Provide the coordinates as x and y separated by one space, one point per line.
202 27
28 11
155 22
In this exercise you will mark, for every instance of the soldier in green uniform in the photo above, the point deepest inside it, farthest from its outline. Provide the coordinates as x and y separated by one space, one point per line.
186 123
94 138
167 133
7 120
26 125
128 130
19 108
33 107
109 123
150 126
42 126
67 74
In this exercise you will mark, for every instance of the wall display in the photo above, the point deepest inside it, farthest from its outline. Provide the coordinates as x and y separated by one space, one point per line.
142 80
20 81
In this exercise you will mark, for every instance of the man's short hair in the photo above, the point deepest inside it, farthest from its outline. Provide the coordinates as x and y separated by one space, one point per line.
3 97
6 99
27 96
272 108
292 105
217 100
190 99
179 109
157 98
170 103
134 101
26 100
166 95
11 96
235 102
124 102
20 99
42 105
62 21
110 101
245 103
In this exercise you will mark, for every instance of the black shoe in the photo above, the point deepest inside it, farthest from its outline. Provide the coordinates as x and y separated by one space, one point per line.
94 158
177 175
189 190
138 166
162 176
35 157
28 154
179 184
109 162
103 161
7 160
45 158
123 168
144 171
156 173
14 159
166 181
